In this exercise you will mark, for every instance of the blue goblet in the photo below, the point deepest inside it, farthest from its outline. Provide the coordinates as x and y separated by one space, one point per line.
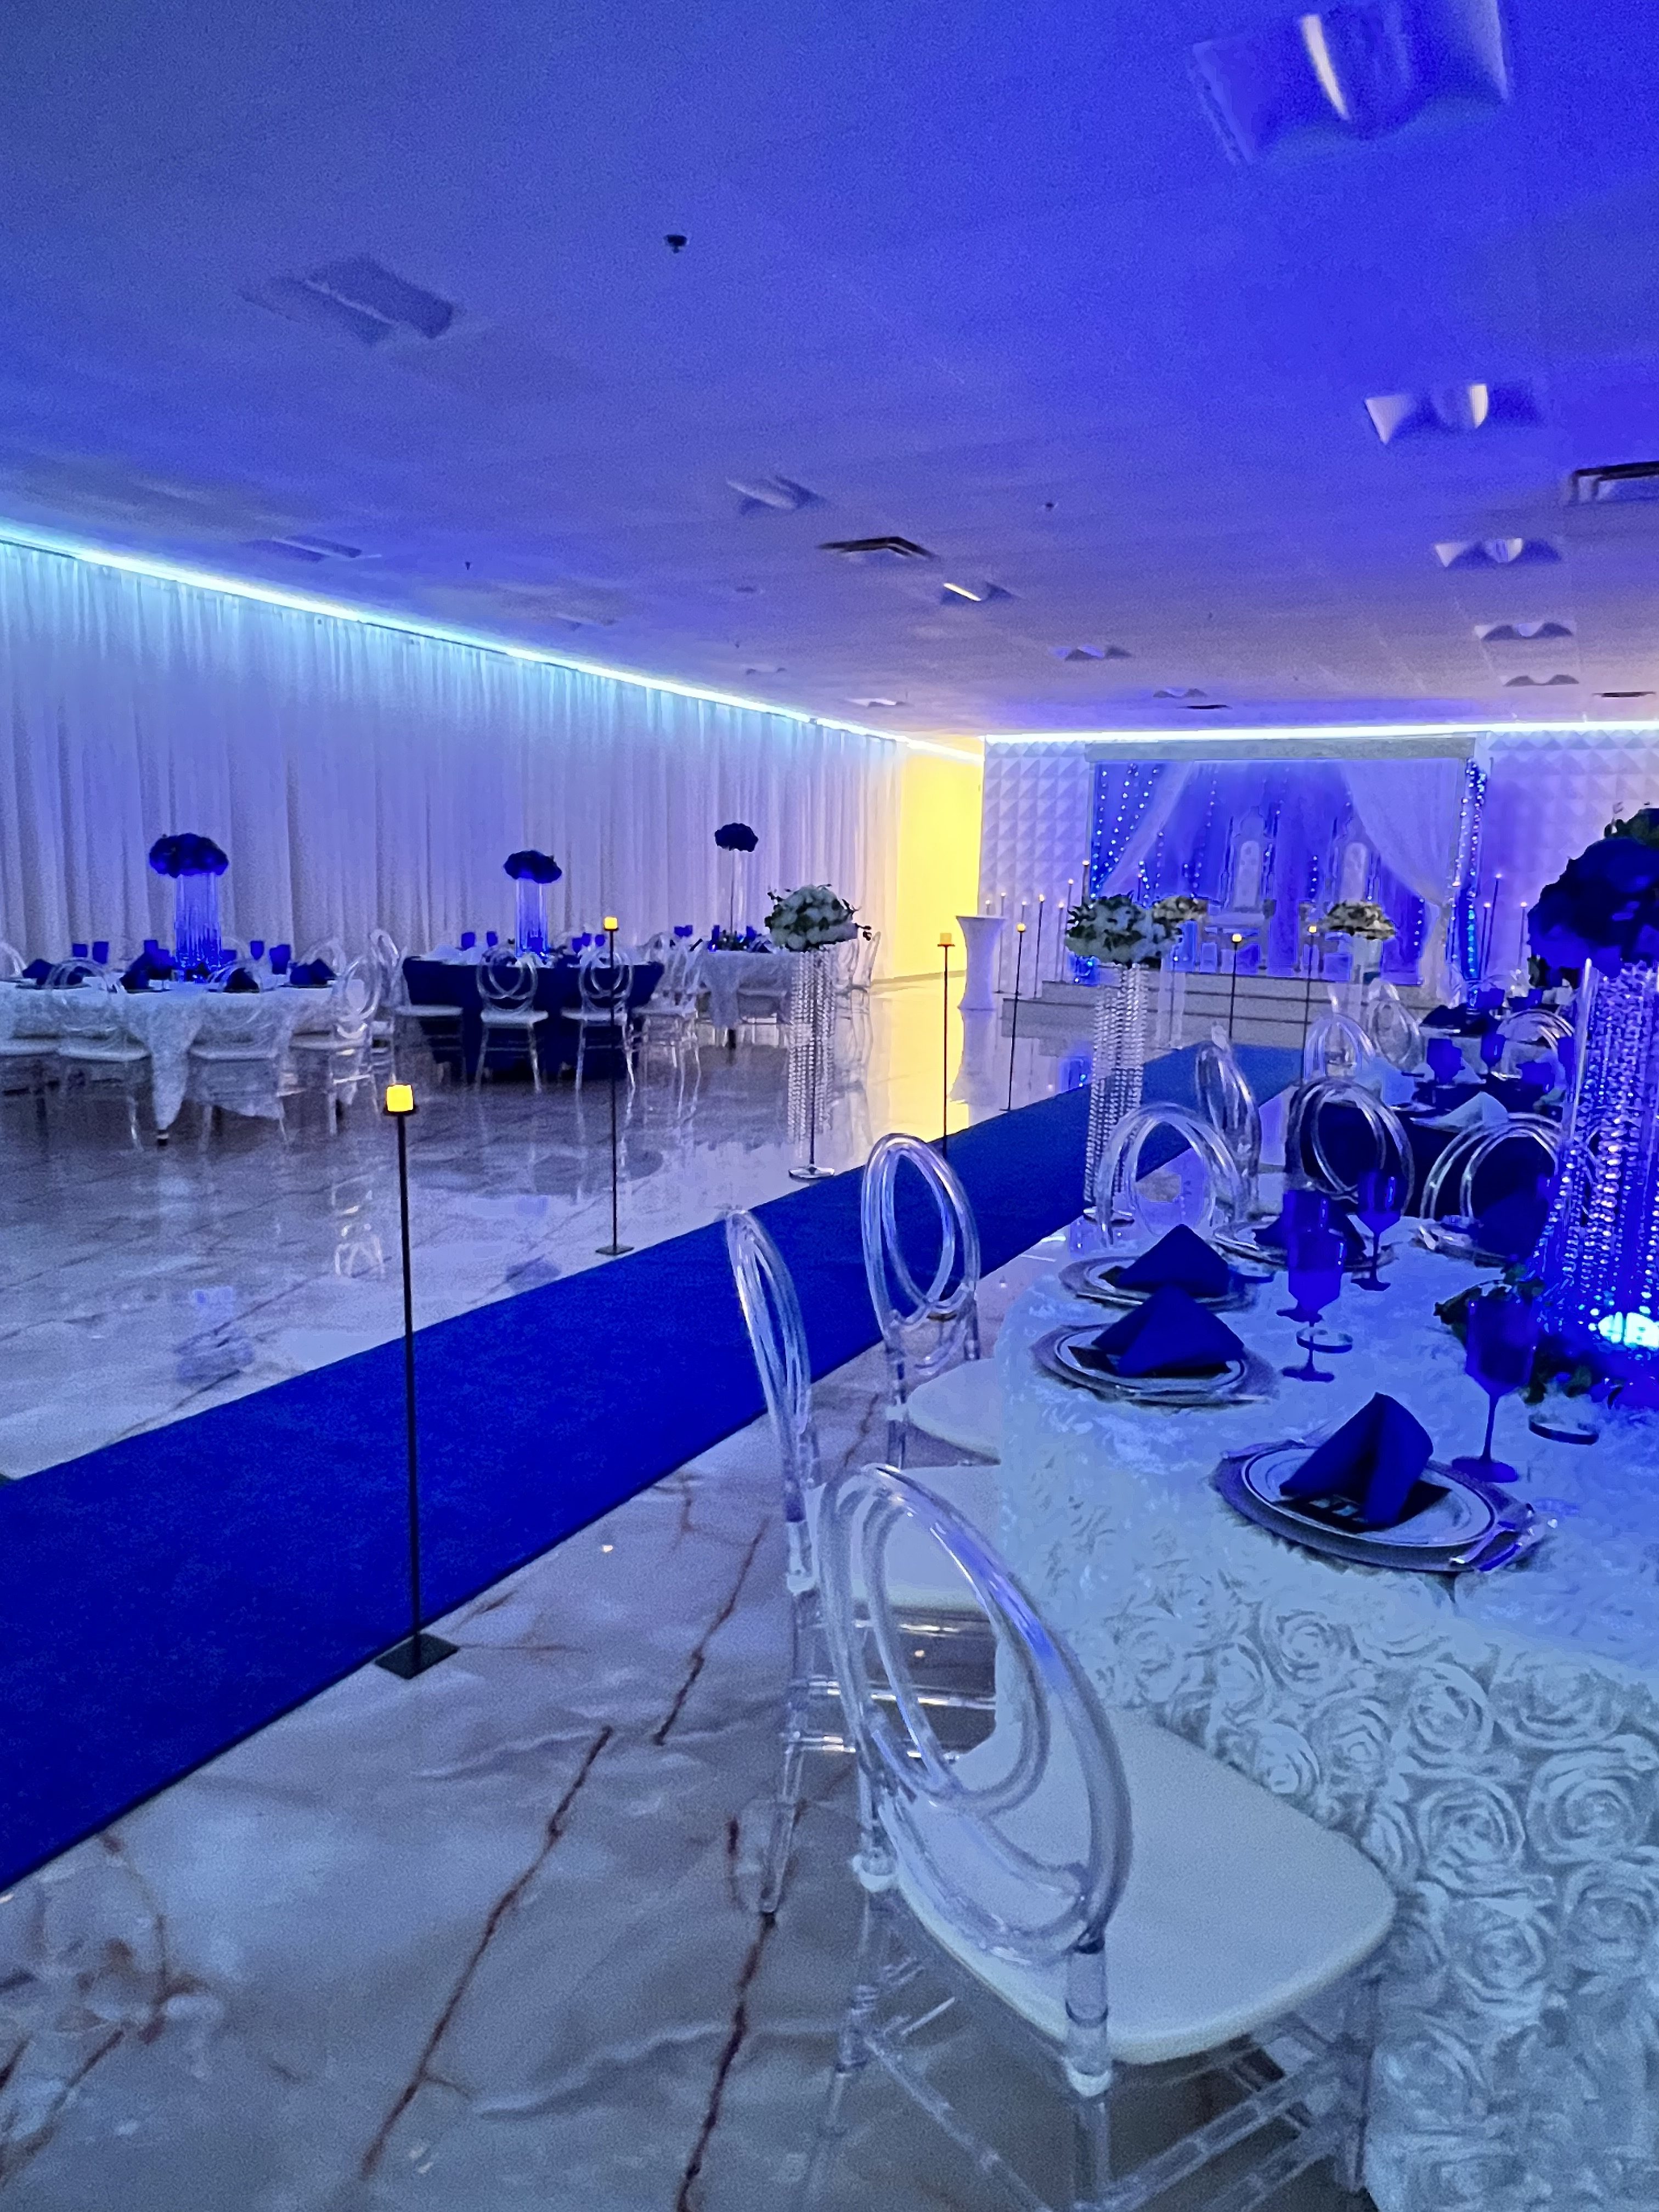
1381 1199
1500 1337
1301 1208
1316 1278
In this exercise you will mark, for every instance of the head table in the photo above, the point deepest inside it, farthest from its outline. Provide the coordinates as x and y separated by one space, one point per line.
167 1021
1492 1743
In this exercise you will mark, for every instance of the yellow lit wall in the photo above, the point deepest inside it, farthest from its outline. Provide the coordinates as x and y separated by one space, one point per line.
938 867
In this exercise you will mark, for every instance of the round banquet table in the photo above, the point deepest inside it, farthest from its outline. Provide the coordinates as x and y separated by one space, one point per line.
455 983
723 975
1492 1743
167 1022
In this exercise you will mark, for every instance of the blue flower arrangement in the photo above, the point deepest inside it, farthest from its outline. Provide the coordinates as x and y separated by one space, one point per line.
530 866
187 854
736 837
1603 908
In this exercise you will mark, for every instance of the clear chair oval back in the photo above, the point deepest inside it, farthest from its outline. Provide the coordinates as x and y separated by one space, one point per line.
12 962
1445 1173
1306 1155
356 1001
1335 1047
1532 1130
506 979
1229 1103
927 1314
1394 1033
330 950
777 1337
1532 1033
952 1826
1210 1190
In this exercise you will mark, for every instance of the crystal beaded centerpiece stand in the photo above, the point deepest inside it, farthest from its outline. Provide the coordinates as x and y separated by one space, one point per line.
195 921
532 915
1120 1059
812 1056
1599 1254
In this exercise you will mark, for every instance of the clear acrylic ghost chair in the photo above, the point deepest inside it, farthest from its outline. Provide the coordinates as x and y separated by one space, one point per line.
1307 1159
330 951
777 1337
1532 1130
1532 1033
1394 1033
1335 1047
1122 1199
240 1065
936 1379
604 1022
1095 1892
1228 1105
668 1019
507 1011
95 1054
12 962
338 1061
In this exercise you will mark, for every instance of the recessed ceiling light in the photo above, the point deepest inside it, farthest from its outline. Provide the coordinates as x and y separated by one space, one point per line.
361 298
780 494
1088 653
901 548
975 595
1524 633
304 548
877 702
1629 481
1494 552
1542 682
765 668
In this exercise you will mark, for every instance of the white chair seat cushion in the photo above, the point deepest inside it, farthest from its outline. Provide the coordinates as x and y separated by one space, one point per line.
427 1013
512 1018
963 1408
918 1573
100 1054
1237 1909
267 1053
29 1048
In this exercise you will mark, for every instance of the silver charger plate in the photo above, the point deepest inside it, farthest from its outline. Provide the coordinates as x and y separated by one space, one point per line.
1092 1279
1055 1354
1464 1527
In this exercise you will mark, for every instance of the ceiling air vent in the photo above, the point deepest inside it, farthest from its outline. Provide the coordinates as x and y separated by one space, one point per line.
781 494
1089 652
1182 693
1495 552
1538 683
971 595
1522 633
1450 407
1630 482
901 548
360 298
1626 694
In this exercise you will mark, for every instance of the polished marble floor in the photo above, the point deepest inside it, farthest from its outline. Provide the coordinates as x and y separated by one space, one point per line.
138 1286
491 1939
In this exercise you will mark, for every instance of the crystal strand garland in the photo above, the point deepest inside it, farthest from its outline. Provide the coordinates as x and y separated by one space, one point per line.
812 1049
195 921
532 915
1120 1061
1599 1254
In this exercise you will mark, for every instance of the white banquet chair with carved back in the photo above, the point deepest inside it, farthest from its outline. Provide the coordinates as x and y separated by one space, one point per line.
604 1022
1229 1104
338 1061
1093 1893
508 1013
1307 1156
1210 1191
777 1337
95 1054
928 1317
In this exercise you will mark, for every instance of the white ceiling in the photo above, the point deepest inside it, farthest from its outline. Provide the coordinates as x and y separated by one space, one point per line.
980 275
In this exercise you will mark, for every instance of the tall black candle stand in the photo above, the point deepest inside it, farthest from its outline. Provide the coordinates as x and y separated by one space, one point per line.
615 1248
417 1651
945 1049
1013 1030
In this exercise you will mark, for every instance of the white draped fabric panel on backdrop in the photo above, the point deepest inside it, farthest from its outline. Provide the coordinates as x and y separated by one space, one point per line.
358 776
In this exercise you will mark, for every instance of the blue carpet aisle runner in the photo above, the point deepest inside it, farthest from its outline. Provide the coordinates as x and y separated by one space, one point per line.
168 1594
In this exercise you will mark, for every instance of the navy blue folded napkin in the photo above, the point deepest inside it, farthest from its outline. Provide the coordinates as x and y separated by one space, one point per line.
239 980
310 975
1369 1469
1183 1259
1169 1333
38 970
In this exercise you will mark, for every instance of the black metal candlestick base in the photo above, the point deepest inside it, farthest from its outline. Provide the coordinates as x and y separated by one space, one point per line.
415 1654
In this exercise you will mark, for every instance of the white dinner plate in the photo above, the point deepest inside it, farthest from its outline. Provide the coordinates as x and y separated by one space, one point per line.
1458 1521
1056 1352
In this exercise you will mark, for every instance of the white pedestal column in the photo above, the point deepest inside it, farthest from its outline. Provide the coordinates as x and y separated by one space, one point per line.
981 934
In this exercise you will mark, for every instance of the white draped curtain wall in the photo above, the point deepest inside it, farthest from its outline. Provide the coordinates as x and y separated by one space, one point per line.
359 775
1409 810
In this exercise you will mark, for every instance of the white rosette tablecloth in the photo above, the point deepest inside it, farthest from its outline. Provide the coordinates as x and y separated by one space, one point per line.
1493 1746
723 975
167 1022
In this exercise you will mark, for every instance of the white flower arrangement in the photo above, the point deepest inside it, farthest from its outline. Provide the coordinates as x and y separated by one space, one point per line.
1179 908
1119 930
1358 918
801 921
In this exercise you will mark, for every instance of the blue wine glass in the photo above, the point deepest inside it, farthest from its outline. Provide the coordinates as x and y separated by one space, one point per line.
1381 1197
1315 1277
1301 1209
1500 1338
